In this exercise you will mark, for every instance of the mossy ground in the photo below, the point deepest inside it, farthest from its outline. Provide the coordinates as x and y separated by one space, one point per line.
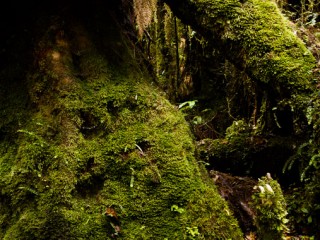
99 153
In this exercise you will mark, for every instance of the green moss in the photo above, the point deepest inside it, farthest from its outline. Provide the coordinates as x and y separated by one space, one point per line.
150 145
273 54
256 38
272 48
270 207
101 156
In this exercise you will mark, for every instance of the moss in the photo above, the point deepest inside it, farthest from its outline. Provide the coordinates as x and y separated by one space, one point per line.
257 39
103 155
259 31
272 47
246 154
270 207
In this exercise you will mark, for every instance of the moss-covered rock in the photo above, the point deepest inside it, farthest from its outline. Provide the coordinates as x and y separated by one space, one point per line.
100 153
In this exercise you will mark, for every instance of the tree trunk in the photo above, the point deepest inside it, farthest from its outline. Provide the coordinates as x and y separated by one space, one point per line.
89 148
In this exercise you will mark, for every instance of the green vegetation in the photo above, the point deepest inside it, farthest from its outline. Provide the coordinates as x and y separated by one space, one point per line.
265 91
273 67
270 207
91 147
102 154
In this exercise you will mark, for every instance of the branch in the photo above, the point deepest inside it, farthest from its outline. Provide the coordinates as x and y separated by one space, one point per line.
255 37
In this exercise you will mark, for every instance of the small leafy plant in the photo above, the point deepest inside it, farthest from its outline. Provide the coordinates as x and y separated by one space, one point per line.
188 104
270 207
176 208
193 232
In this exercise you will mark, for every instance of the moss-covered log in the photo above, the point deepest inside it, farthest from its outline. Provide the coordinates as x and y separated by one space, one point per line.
89 149
256 38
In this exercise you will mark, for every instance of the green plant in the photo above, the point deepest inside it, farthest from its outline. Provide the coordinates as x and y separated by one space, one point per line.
303 199
197 120
300 208
237 128
175 208
270 207
193 232
188 104
304 12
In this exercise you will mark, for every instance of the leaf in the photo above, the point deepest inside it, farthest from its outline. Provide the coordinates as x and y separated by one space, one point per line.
197 120
182 105
189 104
285 220
175 208
192 104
